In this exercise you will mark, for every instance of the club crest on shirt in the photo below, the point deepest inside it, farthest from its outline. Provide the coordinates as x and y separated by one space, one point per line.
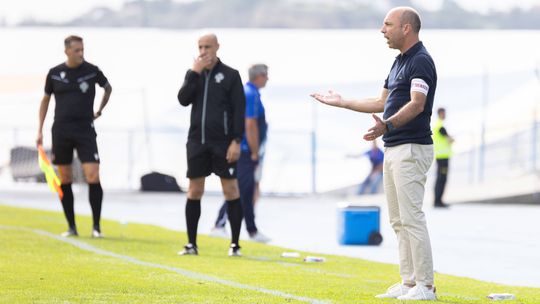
84 86
62 74
219 77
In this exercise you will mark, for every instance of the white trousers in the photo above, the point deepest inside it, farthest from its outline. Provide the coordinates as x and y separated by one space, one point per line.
405 174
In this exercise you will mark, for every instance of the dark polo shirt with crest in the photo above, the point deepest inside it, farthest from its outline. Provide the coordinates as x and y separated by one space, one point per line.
74 90
414 63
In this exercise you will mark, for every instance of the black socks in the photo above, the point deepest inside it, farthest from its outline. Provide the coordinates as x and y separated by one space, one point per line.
95 195
67 205
193 213
234 211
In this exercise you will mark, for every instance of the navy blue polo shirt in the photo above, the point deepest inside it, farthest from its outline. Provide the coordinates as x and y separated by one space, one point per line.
414 63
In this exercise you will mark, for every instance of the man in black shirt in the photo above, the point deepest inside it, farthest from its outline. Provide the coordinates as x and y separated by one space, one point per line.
73 85
217 100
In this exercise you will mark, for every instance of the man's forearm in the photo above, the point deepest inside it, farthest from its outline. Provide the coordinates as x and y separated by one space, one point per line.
105 99
252 135
368 105
407 113
43 107
187 91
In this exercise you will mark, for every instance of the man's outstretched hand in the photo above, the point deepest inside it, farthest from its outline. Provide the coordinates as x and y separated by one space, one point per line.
377 130
332 98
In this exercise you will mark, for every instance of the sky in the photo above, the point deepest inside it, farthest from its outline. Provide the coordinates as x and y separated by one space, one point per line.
14 11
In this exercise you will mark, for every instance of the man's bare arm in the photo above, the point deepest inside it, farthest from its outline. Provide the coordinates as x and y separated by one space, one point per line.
252 136
408 112
43 107
104 100
367 105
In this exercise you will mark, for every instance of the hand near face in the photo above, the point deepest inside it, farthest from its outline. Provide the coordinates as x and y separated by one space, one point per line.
201 62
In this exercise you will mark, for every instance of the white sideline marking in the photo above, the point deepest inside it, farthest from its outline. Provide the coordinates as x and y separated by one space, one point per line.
289 264
186 273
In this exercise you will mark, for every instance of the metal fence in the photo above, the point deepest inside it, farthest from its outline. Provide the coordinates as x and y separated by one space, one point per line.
291 157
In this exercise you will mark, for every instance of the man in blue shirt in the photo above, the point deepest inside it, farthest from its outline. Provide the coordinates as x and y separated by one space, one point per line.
376 158
250 157
406 102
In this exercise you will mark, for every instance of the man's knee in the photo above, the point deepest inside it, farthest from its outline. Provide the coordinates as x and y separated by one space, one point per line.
230 189
92 178
396 224
91 173
195 193
65 173
196 189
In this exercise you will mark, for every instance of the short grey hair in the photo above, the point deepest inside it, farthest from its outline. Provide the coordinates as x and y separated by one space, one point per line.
411 16
256 70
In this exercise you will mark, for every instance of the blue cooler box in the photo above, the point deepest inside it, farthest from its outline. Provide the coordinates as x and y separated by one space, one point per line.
359 225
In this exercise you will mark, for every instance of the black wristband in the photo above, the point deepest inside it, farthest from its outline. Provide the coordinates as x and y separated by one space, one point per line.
389 126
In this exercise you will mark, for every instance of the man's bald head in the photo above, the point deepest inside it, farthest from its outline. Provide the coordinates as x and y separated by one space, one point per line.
401 28
408 15
209 37
208 47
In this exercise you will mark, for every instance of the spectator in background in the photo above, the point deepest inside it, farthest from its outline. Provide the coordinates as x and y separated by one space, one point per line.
250 160
374 178
442 144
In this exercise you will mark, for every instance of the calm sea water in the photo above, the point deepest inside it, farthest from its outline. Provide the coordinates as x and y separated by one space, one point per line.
146 68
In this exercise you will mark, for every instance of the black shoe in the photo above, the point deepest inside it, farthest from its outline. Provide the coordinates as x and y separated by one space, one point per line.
441 205
234 251
189 249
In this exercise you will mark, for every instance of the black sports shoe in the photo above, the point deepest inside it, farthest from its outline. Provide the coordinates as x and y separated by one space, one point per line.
441 205
234 250
189 249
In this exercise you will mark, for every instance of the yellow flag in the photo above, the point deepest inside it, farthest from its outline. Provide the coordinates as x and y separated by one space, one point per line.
52 180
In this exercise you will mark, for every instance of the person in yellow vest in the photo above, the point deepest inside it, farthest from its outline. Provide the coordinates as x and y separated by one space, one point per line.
442 143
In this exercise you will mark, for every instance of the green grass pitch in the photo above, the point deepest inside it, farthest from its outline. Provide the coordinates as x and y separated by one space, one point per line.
139 264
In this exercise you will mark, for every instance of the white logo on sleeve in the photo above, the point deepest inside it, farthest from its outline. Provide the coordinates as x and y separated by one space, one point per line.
84 86
62 74
96 156
419 85
219 77
231 171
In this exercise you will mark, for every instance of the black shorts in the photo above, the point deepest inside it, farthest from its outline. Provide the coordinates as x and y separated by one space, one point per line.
203 159
74 135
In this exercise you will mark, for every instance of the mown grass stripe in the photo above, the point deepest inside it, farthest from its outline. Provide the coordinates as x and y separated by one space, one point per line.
183 272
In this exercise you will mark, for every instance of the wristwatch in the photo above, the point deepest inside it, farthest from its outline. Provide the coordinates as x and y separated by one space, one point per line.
389 126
